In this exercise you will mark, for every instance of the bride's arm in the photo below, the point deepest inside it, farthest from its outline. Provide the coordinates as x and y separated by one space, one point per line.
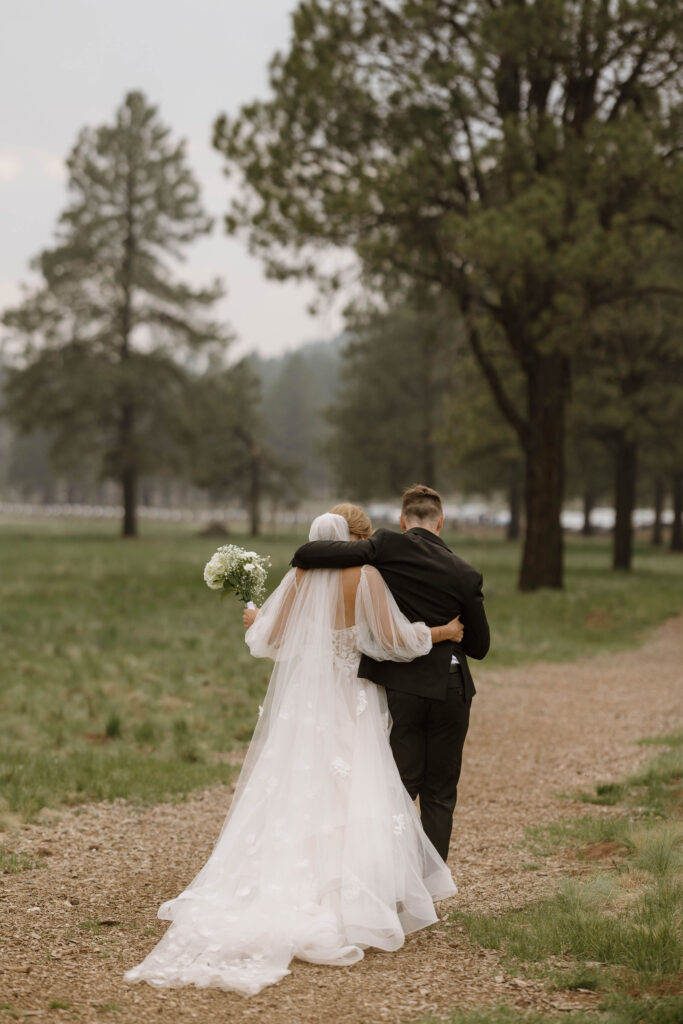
384 633
266 631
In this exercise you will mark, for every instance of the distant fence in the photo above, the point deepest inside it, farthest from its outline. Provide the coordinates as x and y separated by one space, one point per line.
77 511
468 514
61 510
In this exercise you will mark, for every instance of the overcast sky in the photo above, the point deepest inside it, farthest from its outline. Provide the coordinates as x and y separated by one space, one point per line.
66 63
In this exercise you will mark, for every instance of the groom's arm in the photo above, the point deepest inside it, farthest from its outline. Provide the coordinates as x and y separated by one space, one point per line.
477 639
335 554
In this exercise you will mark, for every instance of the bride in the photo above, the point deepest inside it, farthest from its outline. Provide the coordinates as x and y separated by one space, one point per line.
322 853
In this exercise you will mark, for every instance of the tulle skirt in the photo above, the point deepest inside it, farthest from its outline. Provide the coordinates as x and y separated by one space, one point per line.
321 855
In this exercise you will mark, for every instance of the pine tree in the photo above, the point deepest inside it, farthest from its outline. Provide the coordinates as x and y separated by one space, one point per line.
231 457
103 339
629 397
396 369
490 150
480 443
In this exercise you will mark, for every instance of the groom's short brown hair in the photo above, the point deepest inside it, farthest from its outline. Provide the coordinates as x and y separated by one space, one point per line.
421 502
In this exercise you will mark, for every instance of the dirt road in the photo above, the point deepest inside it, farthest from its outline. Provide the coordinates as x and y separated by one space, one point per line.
535 732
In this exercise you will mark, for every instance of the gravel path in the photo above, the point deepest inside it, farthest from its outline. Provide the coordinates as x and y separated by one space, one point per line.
535 732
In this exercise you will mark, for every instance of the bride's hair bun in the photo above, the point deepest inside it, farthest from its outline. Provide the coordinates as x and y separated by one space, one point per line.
359 522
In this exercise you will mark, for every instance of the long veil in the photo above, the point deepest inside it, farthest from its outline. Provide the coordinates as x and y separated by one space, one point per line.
295 628
321 853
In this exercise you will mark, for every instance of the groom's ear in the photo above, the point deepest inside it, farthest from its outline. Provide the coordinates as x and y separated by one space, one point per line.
404 525
439 525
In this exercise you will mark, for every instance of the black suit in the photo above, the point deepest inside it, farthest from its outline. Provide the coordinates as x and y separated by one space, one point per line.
429 704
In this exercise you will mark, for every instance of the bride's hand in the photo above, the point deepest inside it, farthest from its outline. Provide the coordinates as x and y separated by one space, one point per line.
456 630
248 616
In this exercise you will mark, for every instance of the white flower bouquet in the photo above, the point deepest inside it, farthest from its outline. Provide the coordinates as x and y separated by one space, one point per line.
243 572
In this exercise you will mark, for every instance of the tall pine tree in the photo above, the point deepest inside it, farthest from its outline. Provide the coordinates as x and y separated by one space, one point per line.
231 457
397 366
103 339
491 150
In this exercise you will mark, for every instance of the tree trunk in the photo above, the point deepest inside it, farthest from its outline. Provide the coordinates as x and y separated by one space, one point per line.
129 475
147 493
129 489
428 409
255 490
544 485
514 502
677 525
624 502
657 533
588 506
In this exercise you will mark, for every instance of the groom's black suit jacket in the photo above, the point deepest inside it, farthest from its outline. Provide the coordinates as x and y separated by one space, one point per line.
430 584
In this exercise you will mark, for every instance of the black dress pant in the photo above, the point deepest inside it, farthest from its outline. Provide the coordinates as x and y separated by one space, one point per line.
427 739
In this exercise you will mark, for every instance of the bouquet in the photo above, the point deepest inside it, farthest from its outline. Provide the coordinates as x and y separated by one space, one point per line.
233 569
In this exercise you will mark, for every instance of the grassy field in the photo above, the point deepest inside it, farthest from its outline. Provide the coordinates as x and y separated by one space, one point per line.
123 675
619 930
620 1010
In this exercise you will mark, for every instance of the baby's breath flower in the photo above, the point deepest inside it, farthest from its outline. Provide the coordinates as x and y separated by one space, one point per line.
243 572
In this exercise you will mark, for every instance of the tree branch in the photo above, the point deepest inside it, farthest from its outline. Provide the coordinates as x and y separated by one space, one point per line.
505 403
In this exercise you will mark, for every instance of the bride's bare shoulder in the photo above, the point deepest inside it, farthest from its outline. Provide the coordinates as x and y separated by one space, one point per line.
351 575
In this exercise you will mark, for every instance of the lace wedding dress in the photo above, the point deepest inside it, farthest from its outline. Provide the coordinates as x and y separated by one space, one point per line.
322 853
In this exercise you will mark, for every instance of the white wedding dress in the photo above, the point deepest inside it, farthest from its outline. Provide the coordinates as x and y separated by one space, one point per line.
322 853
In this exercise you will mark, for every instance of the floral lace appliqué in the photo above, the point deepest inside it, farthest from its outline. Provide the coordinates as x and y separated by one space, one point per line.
351 889
399 823
345 649
341 768
361 702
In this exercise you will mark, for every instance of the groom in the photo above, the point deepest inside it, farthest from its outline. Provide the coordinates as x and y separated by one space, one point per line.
429 698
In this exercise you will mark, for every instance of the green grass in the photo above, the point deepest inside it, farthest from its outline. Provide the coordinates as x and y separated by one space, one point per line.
629 919
584 831
124 676
82 775
620 930
12 863
657 790
615 1010
672 739
598 610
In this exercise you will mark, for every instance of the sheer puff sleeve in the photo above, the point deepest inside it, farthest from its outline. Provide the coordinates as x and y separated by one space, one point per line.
383 632
266 634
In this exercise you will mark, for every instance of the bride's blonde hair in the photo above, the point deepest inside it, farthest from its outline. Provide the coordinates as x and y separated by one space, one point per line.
359 522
